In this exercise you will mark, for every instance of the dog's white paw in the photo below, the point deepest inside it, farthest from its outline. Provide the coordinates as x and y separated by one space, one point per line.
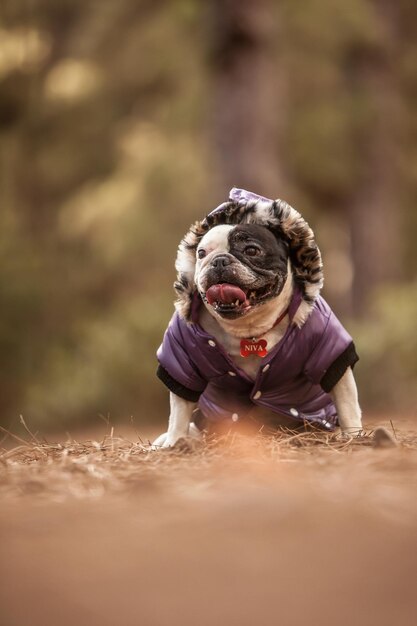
178 440
347 437
172 439
159 442
167 440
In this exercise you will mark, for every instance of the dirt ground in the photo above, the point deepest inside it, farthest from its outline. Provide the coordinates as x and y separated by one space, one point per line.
291 530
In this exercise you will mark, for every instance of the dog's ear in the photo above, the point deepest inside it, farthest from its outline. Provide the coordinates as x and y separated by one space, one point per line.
284 221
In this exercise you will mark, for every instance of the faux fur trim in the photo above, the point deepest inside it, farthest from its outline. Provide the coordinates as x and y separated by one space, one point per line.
282 220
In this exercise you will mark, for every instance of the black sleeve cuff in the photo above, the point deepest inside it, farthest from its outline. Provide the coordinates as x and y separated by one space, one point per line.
334 373
176 387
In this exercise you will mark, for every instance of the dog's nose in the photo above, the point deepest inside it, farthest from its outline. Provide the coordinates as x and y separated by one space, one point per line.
221 261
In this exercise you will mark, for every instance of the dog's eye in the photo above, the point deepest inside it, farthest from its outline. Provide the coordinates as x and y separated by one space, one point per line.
201 253
251 251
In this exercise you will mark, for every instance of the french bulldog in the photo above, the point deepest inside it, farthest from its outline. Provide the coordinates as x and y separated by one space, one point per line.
252 338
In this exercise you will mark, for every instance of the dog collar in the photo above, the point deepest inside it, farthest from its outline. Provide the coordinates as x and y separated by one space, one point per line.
256 345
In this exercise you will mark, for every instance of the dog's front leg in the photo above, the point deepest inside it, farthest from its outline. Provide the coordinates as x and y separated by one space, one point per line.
179 419
345 396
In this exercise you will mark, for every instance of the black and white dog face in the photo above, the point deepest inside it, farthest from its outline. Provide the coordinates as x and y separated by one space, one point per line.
239 268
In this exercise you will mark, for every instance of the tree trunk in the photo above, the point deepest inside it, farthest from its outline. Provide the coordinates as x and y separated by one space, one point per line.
375 213
244 113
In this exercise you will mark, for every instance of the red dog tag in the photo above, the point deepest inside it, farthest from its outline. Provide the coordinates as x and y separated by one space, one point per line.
257 347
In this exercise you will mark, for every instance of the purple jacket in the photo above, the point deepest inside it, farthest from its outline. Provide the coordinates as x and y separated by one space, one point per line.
293 379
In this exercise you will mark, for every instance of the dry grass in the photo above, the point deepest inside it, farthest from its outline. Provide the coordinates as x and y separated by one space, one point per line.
113 464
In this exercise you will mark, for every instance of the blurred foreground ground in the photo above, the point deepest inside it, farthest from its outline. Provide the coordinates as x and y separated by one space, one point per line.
260 531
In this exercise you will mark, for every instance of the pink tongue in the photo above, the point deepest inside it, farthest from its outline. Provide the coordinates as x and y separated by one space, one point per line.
225 293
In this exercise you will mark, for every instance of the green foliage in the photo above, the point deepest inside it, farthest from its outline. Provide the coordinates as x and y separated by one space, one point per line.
388 346
106 368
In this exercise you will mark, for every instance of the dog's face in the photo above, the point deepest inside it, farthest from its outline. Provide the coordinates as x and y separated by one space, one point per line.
239 268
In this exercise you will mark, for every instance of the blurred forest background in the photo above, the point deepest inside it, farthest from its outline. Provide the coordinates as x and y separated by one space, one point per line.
123 121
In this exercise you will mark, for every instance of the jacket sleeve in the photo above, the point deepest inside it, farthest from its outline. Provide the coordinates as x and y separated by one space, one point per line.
332 354
176 367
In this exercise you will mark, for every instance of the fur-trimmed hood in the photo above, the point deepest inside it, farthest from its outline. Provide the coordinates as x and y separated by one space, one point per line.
244 207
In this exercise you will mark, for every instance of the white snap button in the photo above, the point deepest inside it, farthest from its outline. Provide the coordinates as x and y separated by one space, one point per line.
231 373
294 412
266 367
257 395
235 417
211 343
